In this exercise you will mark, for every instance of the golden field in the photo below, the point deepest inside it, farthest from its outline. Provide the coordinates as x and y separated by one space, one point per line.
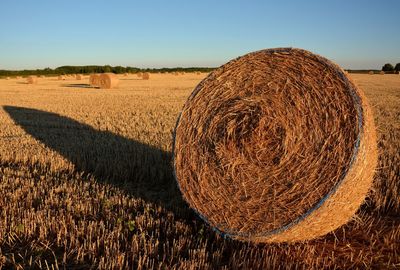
86 181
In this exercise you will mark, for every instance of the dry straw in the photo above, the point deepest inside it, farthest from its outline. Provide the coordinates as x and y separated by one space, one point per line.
108 81
79 77
31 80
146 76
371 72
139 74
61 78
382 72
275 146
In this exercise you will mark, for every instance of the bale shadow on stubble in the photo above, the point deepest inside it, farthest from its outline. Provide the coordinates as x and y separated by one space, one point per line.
141 170
78 85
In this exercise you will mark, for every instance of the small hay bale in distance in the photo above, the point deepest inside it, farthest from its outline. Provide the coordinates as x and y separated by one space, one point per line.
94 80
278 145
79 77
139 74
382 72
108 81
371 72
61 78
146 76
31 79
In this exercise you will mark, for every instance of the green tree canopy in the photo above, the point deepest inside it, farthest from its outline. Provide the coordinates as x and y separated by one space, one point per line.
388 67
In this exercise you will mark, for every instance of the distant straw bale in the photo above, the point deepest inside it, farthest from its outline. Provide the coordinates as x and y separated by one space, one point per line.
371 72
382 72
108 81
94 80
79 77
61 78
31 80
146 76
278 145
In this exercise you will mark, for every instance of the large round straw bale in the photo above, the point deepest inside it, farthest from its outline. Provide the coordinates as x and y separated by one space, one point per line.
8 78
146 76
31 79
94 79
108 81
61 77
382 72
275 146
139 74
371 72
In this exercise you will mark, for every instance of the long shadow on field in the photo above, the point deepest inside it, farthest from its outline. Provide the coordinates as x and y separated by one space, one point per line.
141 170
78 85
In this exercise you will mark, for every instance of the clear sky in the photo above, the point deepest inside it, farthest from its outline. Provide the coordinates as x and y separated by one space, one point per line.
169 33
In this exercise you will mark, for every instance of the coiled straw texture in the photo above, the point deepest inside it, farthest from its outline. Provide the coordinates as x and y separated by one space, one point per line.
275 146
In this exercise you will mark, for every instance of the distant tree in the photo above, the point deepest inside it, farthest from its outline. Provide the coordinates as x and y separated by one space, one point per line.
119 69
387 67
397 67
107 68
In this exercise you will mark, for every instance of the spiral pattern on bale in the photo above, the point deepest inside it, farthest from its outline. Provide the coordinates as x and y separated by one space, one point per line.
275 146
108 81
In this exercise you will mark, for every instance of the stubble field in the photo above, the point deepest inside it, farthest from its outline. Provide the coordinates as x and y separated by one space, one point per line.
86 181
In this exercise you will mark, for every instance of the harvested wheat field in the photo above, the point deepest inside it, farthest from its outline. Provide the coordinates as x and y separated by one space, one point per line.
86 180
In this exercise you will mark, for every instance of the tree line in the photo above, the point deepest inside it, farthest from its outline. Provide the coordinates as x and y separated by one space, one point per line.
65 70
390 68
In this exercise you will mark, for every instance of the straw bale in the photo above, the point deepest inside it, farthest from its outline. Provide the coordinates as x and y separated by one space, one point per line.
94 80
146 76
108 81
278 145
31 79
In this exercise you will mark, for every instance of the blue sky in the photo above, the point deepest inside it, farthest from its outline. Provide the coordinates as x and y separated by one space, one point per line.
156 33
